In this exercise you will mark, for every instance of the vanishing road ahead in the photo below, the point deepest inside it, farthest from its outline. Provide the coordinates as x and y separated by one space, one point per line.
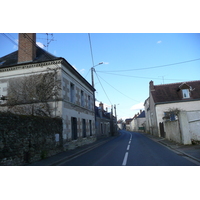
129 149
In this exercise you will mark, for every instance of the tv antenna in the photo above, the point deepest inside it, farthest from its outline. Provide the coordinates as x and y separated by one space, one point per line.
49 39
162 78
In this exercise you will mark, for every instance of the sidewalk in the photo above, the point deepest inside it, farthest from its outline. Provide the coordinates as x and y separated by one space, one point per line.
190 151
67 155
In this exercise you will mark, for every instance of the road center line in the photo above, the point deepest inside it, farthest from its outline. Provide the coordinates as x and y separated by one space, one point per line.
125 159
128 147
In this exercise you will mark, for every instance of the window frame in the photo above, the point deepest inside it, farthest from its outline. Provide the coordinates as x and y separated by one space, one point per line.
186 93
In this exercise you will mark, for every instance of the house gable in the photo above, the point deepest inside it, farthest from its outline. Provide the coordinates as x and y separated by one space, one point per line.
176 92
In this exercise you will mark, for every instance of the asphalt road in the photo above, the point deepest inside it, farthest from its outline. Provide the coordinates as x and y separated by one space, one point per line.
129 149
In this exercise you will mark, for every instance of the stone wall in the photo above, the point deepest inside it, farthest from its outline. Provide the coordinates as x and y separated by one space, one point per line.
172 131
26 139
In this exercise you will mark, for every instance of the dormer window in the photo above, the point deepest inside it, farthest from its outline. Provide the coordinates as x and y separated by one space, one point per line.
186 93
185 88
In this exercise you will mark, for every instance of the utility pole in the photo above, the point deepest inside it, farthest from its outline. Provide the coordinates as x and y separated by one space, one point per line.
92 78
92 73
115 119
111 121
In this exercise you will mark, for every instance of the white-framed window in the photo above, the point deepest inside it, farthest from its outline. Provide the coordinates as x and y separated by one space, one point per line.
186 93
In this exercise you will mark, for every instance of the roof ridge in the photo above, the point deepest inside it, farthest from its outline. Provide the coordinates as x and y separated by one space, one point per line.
9 54
46 52
177 83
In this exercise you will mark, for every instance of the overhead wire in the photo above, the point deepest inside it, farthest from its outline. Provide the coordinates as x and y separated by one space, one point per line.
91 49
94 69
103 88
178 63
22 47
35 44
117 89
87 73
15 43
139 76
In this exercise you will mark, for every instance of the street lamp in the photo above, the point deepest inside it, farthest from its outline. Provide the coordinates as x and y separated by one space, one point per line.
92 73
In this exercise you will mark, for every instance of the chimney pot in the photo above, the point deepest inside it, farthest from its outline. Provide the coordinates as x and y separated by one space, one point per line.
151 86
101 105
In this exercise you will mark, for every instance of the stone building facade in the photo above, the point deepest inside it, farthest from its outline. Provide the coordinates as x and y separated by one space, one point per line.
74 102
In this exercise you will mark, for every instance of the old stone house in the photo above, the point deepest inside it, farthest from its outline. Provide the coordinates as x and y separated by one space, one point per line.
173 111
103 121
73 101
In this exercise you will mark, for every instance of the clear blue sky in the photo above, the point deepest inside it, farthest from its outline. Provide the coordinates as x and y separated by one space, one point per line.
121 79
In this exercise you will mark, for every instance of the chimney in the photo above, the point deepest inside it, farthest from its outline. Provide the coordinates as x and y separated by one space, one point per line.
26 47
101 105
151 86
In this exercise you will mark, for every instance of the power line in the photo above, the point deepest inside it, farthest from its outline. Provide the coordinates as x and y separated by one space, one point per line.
118 90
48 40
45 53
139 76
178 63
33 42
103 88
15 43
91 50
87 73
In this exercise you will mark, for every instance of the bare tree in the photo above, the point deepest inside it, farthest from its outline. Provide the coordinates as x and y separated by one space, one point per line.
33 94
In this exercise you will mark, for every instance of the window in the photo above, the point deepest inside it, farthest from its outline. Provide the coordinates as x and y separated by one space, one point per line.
82 98
84 127
90 124
3 89
89 103
74 128
186 93
170 116
72 93
101 128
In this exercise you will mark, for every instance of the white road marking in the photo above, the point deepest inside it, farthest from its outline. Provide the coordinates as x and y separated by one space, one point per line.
126 154
125 159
